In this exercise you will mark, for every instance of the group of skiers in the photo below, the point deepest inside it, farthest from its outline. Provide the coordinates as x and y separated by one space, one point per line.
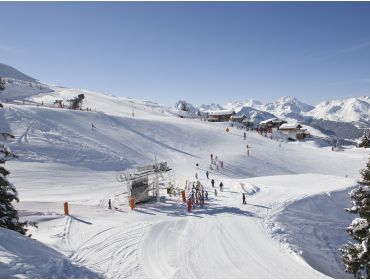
197 196
217 162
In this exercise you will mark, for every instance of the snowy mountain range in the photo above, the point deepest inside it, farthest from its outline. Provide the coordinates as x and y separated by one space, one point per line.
355 110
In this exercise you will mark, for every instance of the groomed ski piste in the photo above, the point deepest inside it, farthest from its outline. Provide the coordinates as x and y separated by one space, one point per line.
291 227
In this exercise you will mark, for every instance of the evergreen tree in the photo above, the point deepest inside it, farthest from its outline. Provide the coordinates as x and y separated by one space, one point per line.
8 214
365 140
356 256
2 84
2 87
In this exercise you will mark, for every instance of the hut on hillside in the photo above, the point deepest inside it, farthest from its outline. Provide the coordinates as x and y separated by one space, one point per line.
238 118
220 115
294 131
272 123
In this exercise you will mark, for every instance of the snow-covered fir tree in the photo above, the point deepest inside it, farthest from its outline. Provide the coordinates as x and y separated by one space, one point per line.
8 194
356 255
2 87
364 141
2 84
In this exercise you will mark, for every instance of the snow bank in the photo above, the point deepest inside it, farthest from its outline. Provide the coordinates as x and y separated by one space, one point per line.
23 257
314 229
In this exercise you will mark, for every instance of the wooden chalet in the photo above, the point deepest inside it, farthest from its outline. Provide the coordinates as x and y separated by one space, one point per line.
294 131
220 116
238 118
272 123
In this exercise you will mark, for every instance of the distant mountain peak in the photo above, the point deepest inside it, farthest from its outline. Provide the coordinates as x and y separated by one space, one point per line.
7 71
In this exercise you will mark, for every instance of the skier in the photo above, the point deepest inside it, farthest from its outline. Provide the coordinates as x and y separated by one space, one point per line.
197 165
201 200
189 205
222 164
206 194
109 204
215 192
93 126
244 202
211 157
216 158
196 175
213 183
207 173
245 136
221 186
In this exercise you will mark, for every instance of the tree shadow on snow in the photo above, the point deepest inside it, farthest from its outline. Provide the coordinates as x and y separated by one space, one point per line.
179 209
80 220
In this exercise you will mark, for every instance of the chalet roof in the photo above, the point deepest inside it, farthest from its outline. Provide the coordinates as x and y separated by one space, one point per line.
290 126
273 120
221 112
239 116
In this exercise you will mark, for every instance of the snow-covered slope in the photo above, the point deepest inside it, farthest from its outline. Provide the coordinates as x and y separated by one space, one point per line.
62 158
19 90
23 257
356 109
7 71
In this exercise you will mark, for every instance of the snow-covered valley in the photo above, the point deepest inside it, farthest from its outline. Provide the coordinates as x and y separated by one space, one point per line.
291 227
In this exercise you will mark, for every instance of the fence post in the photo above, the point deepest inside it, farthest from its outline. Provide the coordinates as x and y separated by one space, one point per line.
66 210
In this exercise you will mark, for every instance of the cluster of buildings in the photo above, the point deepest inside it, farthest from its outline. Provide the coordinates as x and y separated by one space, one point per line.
294 131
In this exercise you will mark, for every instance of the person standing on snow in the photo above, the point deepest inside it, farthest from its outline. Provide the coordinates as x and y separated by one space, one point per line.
221 186
213 183
196 176
244 202
206 194
197 165
211 157
245 136
109 204
215 192
189 205
207 173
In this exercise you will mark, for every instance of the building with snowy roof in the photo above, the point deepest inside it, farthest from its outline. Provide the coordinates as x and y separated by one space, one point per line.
272 123
220 115
294 131
238 118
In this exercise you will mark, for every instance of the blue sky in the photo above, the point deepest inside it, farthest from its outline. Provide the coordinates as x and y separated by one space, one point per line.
202 52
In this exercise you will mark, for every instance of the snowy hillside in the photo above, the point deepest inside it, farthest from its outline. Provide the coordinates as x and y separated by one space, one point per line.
23 257
19 90
291 226
7 71
356 109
